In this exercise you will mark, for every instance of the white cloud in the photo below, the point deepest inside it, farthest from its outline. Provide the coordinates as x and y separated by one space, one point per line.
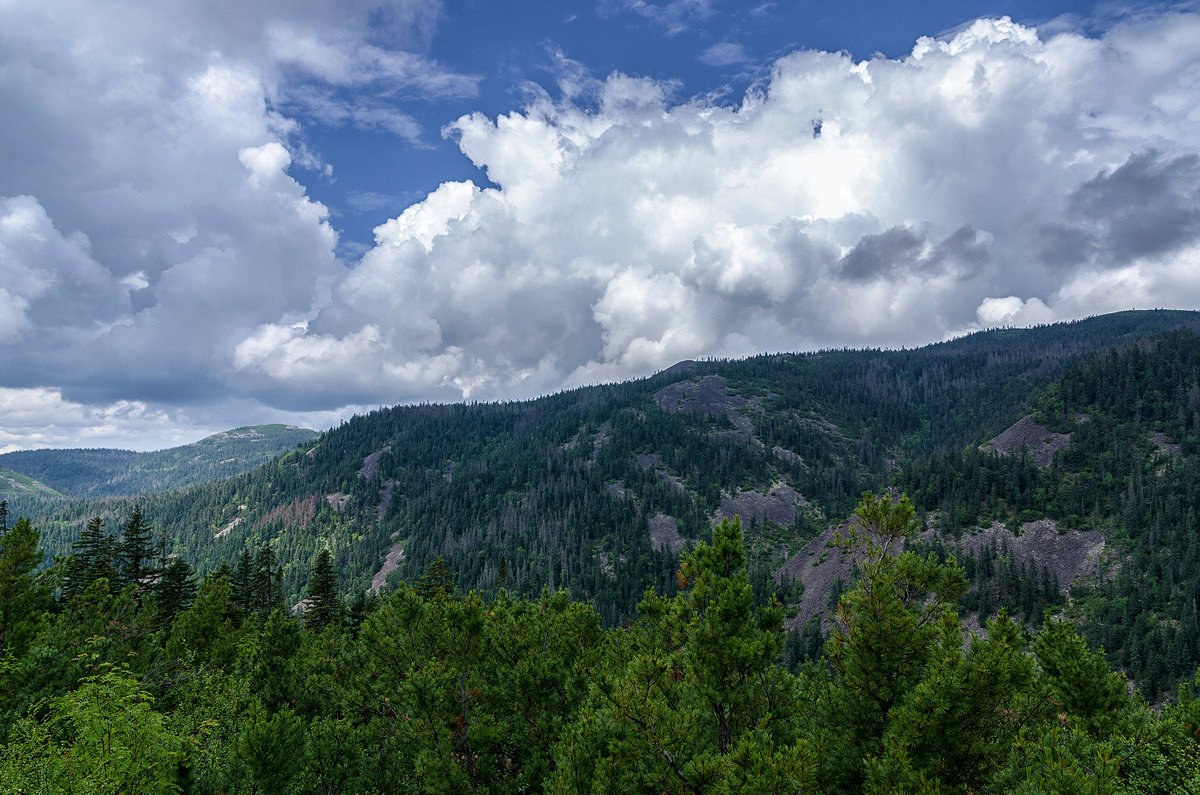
149 216
674 16
725 53
991 178
157 246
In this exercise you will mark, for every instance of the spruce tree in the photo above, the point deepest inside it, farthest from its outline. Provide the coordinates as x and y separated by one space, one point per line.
174 590
436 581
324 605
137 545
91 559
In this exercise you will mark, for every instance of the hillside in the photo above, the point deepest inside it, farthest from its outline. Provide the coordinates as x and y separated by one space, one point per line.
17 487
106 472
597 489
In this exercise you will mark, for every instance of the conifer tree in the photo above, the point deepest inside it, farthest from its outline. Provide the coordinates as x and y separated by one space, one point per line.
137 546
91 559
437 580
241 584
324 605
266 582
888 627
174 590
22 593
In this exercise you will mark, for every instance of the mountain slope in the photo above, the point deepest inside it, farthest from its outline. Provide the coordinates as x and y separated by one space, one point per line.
17 486
107 472
596 489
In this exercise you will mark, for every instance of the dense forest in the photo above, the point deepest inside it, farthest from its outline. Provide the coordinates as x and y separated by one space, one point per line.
563 491
1131 469
102 472
570 604
138 678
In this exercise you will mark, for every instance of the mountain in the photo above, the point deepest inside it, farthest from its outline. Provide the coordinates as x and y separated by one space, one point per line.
16 487
596 490
106 472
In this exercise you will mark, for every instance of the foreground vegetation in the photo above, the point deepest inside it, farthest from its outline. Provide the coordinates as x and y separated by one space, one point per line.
137 681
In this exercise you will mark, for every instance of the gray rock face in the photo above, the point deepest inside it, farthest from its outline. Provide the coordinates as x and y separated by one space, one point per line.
1041 442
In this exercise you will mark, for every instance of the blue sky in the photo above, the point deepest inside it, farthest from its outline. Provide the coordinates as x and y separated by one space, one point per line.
716 48
223 213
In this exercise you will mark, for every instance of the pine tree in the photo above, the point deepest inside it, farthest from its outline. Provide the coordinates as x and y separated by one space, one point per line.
137 546
888 627
174 590
324 605
437 580
22 593
91 559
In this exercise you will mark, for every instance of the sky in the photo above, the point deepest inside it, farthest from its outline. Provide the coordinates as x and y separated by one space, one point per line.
225 213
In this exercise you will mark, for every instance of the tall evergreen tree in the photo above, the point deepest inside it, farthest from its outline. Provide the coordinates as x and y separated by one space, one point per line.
241 583
266 582
324 605
437 580
174 590
136 547
22 592
91 559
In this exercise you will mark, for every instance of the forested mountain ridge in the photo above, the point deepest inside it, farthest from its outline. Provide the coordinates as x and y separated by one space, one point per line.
1122 429
937 667
104 472
597 489
17 486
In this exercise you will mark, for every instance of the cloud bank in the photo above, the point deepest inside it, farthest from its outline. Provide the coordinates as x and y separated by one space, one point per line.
157 244
994 178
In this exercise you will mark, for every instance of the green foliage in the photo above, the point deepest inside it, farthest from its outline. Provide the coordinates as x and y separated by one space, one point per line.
134 549
1083 684
690 698
92 558
437 580
898 619
173 591
103 737
23 592
324 606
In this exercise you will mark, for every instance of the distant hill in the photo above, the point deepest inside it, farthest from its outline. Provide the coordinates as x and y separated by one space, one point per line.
17 486
597 489
108 473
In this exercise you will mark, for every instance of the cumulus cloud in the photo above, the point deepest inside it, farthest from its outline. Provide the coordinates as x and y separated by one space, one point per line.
151 214
991 178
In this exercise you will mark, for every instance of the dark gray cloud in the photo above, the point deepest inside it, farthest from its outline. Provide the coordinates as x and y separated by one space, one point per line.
900 251
876 256
1147 207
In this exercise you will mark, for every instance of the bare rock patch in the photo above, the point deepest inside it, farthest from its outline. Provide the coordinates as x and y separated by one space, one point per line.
1041 442
370 464
391 562
1068 554
777 505
664 533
